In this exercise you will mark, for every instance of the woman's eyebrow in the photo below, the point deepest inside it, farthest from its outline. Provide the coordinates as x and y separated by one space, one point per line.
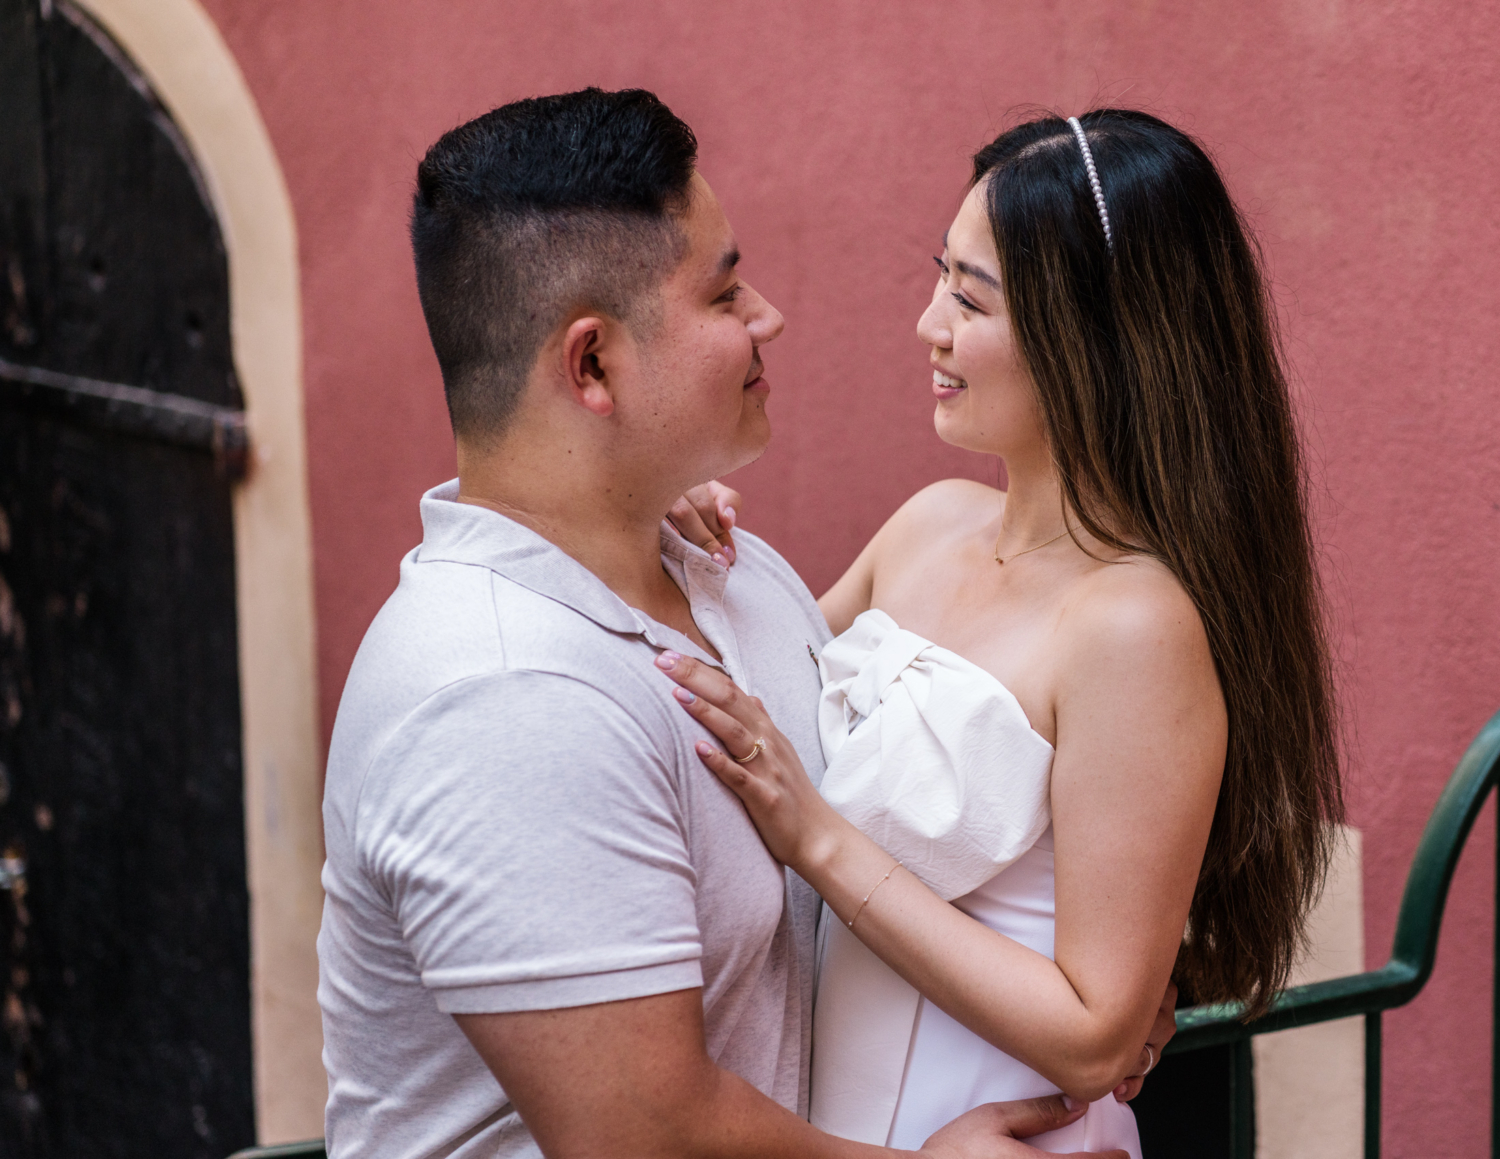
975 272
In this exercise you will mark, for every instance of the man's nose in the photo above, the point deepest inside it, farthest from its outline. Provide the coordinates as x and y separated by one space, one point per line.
765 322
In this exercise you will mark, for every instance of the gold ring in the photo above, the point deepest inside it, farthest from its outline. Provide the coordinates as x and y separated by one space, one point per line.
760 747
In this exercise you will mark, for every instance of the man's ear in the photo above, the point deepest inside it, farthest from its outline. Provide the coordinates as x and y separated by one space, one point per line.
588 350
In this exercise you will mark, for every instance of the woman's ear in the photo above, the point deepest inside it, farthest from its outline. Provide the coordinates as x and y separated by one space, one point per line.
586 355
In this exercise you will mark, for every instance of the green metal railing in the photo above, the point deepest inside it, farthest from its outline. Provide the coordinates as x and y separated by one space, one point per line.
1375 991
1369 994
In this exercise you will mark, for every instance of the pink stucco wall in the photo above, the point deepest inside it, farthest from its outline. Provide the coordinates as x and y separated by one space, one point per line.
837 132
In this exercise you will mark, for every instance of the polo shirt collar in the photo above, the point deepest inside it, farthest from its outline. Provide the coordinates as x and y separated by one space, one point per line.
467 533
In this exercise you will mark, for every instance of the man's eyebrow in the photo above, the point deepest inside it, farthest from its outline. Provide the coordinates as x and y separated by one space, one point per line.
730 259
975 272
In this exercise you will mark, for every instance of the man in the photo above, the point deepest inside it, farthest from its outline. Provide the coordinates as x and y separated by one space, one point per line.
531 878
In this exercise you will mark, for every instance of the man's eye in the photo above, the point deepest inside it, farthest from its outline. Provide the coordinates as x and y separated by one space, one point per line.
730 295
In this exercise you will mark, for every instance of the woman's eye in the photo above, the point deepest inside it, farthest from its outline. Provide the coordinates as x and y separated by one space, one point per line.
959 298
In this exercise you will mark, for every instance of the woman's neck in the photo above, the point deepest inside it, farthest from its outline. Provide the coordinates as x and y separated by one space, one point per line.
1034 509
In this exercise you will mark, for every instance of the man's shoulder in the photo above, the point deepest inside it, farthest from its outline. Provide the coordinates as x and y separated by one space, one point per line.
453 637
759 554
437 627
448 621
763 580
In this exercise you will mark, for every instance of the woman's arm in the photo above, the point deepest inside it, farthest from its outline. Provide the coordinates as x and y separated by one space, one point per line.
850 596
1141 734
623 1080
707 516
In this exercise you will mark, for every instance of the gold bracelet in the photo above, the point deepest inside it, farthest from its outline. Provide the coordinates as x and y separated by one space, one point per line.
871 894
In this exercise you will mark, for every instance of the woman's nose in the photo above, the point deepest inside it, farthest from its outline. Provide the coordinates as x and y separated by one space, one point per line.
932 326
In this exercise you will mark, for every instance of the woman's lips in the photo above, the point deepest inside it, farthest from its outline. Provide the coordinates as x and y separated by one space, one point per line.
945 386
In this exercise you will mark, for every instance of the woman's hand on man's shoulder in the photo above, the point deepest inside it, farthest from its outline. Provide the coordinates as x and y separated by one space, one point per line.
706 516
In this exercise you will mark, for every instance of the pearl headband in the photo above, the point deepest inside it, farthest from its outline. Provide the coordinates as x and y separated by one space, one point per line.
1088 163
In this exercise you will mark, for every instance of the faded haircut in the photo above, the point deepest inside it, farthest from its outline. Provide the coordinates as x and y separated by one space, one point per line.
532 211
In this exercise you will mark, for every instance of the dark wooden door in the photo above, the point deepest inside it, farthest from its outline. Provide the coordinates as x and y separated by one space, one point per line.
124 940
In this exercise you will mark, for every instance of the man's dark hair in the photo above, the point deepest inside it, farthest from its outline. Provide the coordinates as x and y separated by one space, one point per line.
535 209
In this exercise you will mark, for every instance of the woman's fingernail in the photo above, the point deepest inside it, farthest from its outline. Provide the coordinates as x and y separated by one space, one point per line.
718 558
729 516
666 661
1071 1103
684 695
705 749
729 551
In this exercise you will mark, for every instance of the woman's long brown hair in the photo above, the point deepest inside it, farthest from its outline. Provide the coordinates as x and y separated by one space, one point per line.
1166 408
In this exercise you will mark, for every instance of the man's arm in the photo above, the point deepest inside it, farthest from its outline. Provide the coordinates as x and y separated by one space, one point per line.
631 1080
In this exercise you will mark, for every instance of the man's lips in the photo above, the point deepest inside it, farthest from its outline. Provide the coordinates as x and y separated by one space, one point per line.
755 381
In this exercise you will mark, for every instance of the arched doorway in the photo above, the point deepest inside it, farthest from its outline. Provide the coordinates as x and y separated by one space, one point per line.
124 928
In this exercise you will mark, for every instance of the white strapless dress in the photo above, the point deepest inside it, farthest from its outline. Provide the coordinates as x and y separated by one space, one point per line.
933 758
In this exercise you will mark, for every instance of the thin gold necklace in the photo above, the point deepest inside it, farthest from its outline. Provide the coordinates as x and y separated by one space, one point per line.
1029 550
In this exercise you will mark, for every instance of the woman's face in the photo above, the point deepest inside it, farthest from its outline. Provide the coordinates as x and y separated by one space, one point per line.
985 398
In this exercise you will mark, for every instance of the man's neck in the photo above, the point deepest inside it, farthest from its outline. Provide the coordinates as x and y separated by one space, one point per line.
609 524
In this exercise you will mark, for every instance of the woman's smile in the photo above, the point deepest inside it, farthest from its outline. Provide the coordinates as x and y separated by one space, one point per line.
945 387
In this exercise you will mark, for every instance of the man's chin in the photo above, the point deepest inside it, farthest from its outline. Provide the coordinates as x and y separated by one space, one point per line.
755 436
742 454
747 444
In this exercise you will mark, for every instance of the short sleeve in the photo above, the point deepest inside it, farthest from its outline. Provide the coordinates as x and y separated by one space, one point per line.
529 838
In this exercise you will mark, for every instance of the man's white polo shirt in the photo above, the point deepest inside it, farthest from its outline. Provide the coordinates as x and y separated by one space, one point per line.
516 820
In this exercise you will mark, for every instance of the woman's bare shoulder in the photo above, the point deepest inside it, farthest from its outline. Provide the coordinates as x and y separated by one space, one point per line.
1136 612
943 509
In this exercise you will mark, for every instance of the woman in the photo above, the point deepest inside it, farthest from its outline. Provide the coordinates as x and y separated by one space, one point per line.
1091 711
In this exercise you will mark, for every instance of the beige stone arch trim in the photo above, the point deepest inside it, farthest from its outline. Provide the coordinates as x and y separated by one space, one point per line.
179 49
